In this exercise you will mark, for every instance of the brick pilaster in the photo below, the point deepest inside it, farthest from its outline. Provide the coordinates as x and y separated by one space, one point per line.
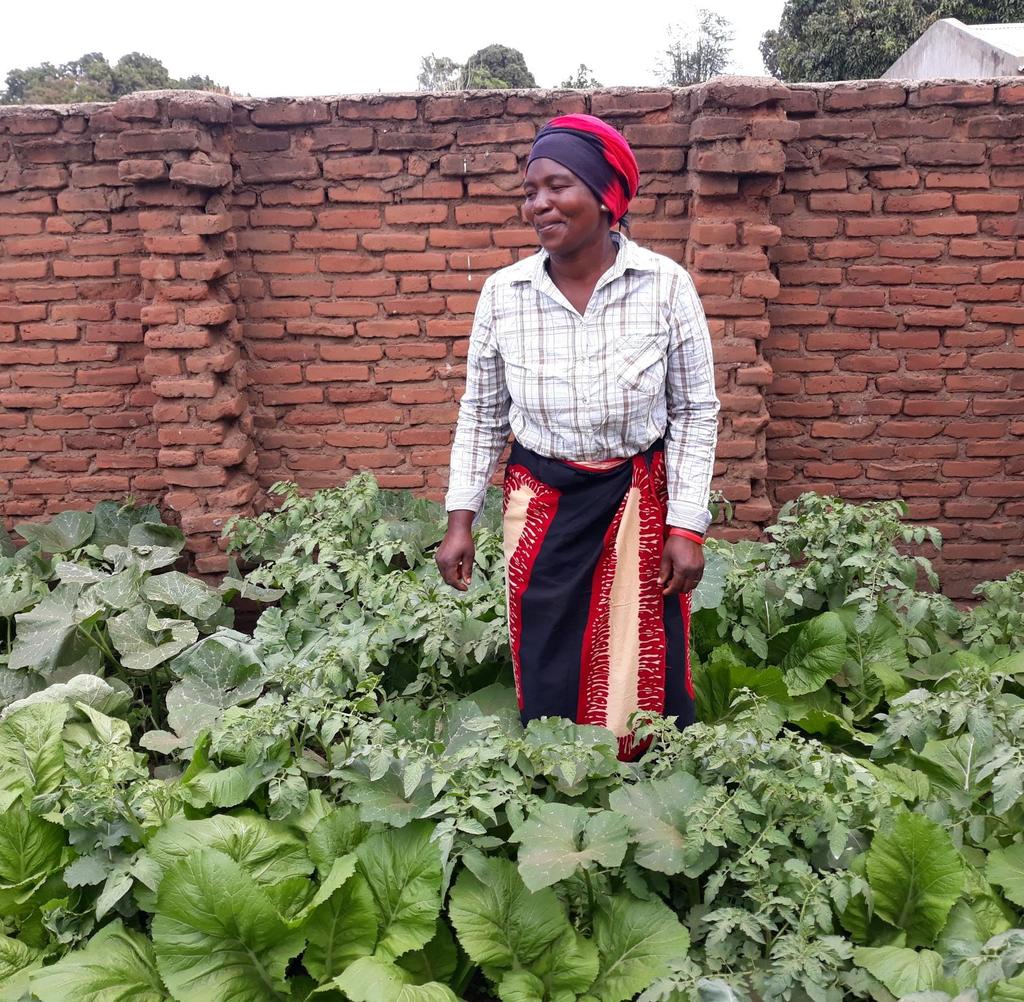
178 161
736 161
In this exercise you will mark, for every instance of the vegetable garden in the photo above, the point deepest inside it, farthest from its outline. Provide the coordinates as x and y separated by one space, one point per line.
343 803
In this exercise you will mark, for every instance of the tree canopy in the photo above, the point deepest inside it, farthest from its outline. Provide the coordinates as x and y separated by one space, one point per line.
696 53
582 79
861 39
92 78
490 68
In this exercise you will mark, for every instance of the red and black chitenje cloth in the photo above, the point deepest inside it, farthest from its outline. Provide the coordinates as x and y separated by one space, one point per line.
596 153
592 637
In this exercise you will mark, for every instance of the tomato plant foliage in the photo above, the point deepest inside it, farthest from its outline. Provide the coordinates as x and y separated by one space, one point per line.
344 803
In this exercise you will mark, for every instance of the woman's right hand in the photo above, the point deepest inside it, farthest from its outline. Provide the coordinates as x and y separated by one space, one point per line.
454 556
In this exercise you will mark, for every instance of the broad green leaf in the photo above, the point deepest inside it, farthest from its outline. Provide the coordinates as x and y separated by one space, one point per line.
15 956
47 633
217 935
119 591
342 869
1011 990
635 941
30 851
901 970
568 967
438 959
268 852
521 986
31 751
816 655
66 531
144 641
916 875
225 787
1005 869
148 537
708 594
371 980
558 838
218 672
656 812
192 596
336 834
952 766
877 651
384 799
115 520
500 924
341 929
403 869
89 689
116 965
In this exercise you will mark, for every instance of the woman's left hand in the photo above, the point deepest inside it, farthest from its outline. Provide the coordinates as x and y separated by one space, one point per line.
682 565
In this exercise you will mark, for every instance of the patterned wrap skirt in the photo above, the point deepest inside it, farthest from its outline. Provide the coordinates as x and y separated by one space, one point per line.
592 637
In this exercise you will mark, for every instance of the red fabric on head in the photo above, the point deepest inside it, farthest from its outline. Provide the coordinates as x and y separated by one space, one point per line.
616 151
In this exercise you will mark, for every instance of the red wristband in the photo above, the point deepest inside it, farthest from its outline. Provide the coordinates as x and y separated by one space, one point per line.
687 534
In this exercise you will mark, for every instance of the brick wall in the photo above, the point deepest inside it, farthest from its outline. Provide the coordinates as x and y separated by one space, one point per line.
200 296
897 334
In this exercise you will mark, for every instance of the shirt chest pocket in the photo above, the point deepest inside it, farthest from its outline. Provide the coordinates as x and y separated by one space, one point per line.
640 361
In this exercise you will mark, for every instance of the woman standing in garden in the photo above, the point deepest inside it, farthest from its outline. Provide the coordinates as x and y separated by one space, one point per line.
595 352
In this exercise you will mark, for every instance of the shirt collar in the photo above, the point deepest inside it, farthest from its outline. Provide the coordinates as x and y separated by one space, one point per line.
628 258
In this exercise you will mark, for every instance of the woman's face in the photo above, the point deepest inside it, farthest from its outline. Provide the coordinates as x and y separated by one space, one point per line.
561 208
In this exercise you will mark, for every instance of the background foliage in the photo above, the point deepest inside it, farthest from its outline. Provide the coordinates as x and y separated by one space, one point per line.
861 39
93 78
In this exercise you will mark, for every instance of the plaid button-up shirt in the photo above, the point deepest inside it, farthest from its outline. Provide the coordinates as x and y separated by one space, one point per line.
635 366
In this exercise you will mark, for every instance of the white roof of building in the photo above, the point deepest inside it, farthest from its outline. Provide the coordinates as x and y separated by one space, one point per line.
1008 37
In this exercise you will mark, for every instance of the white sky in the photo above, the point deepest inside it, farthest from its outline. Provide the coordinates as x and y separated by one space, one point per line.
295 48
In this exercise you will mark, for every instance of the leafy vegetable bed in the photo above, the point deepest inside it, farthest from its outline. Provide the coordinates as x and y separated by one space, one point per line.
344 804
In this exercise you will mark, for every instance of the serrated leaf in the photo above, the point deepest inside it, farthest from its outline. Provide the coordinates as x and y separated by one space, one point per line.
30 851
268 852
116 965
817 653
67 531
217 935
403 869
437 960
916 875
336 834
558 838
384 799
1005 869
656 812
901 970
372 980
500 924
32 750
341 929
636 940
15 956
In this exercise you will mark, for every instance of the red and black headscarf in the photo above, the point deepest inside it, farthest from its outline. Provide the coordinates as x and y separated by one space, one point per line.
596 153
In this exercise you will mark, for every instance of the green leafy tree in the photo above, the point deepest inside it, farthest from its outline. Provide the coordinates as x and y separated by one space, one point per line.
92 78
438 73
696 53
861 39
496 66
582 79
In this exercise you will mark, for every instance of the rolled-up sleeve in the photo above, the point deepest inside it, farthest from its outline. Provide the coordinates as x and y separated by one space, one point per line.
692 430
482 430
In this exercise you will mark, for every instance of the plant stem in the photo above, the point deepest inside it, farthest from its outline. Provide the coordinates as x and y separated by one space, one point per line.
590 895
